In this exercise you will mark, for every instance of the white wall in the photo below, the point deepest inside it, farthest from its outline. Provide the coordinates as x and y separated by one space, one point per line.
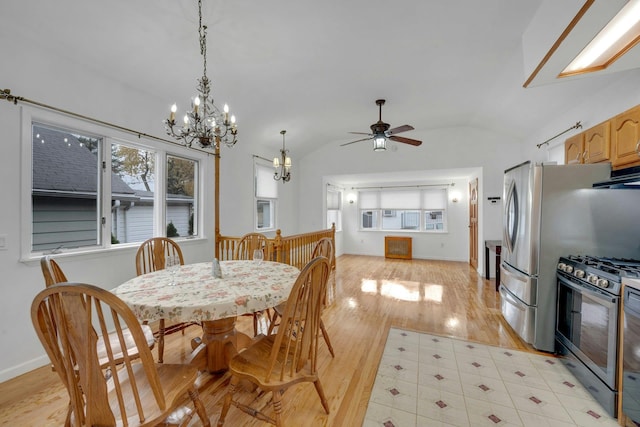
452 245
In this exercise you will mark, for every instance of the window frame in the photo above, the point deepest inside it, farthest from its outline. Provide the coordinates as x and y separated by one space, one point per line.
338 211
388 212
31 116
195 208
273 201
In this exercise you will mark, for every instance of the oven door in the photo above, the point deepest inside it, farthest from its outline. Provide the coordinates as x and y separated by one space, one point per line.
587 324
631 355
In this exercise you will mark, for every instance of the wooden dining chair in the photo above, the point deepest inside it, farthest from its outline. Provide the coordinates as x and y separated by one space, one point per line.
68 319
324 247
276 362
249 243
151 256
244 251
53 274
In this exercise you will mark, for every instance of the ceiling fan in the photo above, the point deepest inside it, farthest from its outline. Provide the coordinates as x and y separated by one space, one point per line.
380 132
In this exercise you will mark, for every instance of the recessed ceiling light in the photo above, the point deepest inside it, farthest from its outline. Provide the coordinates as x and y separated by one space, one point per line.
613 41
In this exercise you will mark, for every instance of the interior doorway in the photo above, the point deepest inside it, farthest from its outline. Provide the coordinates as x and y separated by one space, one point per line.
473 223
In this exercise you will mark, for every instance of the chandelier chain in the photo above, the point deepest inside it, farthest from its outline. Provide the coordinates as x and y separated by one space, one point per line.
202 33
204 123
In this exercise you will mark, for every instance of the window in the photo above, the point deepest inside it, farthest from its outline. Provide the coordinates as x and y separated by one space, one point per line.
402 209
266 196
434 220
180 197
434 203
370 219
334 208
132 193
65 185
90 192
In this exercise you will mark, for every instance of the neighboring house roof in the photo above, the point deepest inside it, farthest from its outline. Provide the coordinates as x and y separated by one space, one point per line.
66 167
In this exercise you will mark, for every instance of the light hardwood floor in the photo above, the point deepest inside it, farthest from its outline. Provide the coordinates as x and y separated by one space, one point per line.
370 294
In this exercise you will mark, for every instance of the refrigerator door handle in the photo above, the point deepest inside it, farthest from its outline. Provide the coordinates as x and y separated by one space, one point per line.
511 299
511 214
514 274
520 285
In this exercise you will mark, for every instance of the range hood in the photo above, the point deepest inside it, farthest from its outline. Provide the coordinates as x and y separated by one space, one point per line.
628 178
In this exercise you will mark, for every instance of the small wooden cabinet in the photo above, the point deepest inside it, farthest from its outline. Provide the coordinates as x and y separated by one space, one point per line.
596 143
590 146
573 149
625 139
397 247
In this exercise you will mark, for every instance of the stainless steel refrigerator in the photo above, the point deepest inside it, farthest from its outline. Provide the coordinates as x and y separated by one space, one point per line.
546 215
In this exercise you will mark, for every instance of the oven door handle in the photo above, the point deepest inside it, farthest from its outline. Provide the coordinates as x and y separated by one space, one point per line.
583 289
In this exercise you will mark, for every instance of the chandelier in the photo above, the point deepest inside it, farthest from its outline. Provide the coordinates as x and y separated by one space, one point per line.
204 123
282 165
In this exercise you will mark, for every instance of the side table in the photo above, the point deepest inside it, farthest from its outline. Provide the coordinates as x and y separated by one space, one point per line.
496 246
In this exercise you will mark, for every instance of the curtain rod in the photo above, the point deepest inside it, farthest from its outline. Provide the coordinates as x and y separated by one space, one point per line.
578 125
337 186
404 186
6 94
261 158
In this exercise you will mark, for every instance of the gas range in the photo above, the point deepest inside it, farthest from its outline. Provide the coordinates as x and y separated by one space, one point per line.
605 273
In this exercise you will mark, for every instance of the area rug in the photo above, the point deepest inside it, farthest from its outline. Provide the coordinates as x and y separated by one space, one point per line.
429 380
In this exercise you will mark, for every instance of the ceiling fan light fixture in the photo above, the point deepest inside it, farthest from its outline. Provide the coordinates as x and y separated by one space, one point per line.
379 143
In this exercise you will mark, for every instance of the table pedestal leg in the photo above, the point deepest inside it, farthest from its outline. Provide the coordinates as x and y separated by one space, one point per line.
219 343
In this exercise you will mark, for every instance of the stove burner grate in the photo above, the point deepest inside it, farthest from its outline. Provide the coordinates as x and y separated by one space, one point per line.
617 267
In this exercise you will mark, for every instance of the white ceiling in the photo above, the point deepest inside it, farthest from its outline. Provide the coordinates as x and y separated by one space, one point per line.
314 68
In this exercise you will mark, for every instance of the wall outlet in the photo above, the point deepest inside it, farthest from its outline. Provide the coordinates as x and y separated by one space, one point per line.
3 242
442 245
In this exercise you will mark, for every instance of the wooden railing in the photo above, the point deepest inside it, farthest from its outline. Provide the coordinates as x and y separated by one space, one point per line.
293 250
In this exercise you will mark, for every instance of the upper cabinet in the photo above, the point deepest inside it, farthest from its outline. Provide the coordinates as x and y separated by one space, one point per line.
597 143
574 149
625 139
590 146
616 140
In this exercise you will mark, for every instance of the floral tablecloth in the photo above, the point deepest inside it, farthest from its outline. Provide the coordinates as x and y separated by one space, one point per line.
245 287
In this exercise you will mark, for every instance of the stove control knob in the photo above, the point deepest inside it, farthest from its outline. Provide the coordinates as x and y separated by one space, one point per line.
593 279
562 266
603 283
568 269
579 274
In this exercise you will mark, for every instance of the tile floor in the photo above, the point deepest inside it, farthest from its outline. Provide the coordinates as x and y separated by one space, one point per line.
428 380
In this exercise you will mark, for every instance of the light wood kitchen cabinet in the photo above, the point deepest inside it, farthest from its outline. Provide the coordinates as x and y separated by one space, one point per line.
625 139
573 149
597 143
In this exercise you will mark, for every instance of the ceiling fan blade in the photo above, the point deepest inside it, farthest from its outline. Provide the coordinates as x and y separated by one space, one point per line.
357 140
405 140
399 129
361 133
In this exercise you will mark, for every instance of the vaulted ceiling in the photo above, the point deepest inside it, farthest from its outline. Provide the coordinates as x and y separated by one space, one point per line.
315 68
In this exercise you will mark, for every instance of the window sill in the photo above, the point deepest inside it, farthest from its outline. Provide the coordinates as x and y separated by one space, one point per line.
93 252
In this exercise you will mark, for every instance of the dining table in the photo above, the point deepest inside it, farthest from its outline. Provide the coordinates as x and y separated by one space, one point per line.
191 293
